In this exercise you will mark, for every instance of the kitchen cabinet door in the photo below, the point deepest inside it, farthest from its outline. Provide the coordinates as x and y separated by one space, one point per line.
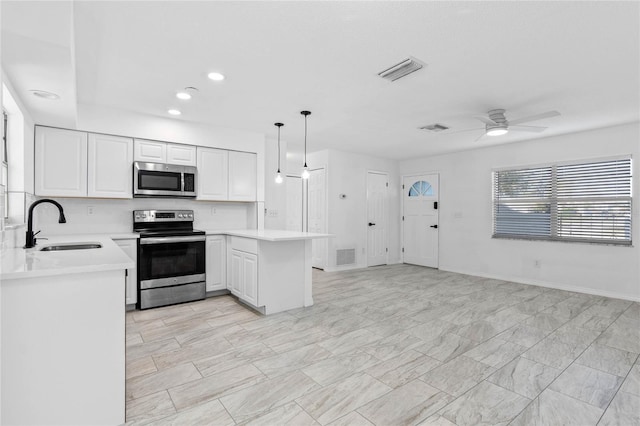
216 263
235 272
150 151
213 166
250 278
130 247
109 168
242 176
60 162
184 155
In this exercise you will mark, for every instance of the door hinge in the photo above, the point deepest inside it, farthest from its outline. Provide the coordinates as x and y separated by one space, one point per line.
402 186
387 184
386 250
403 249
402 217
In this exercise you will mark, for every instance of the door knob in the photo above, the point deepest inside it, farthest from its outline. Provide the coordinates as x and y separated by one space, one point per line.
371 224
434 226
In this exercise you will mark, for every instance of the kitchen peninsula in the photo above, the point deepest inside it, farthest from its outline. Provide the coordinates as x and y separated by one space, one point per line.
270 270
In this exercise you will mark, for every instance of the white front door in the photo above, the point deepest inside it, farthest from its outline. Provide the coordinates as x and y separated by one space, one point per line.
294 203
377 184
316 211
420 220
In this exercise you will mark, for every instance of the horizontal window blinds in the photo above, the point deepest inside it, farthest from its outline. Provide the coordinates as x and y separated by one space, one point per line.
571 202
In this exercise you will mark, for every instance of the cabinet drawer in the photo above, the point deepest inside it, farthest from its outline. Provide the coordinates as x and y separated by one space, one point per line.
247 245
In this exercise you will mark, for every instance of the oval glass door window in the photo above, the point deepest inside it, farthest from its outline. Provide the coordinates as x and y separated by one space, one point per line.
420 188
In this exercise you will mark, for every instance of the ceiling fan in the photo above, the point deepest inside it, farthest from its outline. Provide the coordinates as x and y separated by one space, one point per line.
496 123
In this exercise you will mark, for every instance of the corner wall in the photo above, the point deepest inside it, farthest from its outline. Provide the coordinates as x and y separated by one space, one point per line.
465 228
347 218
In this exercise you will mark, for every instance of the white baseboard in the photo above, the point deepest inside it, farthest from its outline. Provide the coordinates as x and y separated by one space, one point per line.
546 284
352 267
343 268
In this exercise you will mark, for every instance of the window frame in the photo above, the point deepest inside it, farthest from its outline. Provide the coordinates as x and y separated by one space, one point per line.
554 200
4 164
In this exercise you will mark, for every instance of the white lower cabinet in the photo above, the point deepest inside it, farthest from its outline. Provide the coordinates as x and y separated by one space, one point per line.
216 263
130 247
243 280
250 278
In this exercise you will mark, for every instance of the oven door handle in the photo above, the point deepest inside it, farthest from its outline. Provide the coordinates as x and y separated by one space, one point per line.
169 240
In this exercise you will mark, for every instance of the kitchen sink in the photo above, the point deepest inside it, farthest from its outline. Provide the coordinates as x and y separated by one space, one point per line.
71 246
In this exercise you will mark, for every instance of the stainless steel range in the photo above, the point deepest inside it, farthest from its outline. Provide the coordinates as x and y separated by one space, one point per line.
171 258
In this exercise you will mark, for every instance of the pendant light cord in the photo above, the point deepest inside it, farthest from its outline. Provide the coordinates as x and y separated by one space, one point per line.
279 149
305 140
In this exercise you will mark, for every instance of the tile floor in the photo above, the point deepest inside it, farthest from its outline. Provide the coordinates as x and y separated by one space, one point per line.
390 345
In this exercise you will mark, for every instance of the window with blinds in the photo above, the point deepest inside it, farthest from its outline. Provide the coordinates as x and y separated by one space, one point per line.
587 201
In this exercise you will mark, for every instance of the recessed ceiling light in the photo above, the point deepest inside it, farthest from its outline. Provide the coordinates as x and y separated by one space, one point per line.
187 93
215 76
174 112
45 95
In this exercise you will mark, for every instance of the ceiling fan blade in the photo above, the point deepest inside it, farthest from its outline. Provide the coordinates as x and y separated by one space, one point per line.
485 120
464 130
547 114
535 129
480 137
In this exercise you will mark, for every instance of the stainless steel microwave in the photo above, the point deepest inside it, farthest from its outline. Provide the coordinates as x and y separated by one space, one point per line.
164 180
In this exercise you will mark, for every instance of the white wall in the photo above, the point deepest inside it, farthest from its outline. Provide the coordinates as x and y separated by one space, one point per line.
347 218
465 228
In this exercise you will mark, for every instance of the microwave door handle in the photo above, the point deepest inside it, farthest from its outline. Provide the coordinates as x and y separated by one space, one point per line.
169 240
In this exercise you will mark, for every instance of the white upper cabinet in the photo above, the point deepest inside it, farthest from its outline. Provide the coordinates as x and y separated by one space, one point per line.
163 152
150 151
184 155
109 166
213 167
242 176
60 162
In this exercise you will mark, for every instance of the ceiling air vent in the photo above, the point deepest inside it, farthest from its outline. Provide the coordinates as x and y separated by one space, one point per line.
402 69
437 127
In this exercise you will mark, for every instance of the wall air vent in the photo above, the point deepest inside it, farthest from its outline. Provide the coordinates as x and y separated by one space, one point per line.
345 257
437 127
402 69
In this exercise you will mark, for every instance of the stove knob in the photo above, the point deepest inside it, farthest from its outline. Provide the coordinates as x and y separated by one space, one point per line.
179 215
191 215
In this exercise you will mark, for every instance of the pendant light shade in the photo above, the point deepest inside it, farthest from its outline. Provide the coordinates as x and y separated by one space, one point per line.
278 175
305 169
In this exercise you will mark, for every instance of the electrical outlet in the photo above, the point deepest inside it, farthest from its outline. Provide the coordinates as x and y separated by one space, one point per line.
537 263
90 210
213 210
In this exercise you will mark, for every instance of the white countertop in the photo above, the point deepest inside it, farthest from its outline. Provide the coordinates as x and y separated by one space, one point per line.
270 234
20 263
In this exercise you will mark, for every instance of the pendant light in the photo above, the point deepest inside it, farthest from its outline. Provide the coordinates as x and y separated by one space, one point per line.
305 169
278 175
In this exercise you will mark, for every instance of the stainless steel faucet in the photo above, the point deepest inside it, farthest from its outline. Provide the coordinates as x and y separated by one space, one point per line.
30 239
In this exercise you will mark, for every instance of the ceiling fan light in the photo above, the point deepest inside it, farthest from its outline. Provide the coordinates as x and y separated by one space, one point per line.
498 131
305 172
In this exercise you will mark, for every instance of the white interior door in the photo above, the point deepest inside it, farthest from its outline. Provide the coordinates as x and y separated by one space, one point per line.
316 211
377 185
294 203
420 224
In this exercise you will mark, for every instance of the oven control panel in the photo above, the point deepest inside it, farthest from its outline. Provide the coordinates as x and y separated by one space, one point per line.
163 215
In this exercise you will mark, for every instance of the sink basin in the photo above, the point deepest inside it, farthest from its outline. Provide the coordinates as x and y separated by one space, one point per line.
71 246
